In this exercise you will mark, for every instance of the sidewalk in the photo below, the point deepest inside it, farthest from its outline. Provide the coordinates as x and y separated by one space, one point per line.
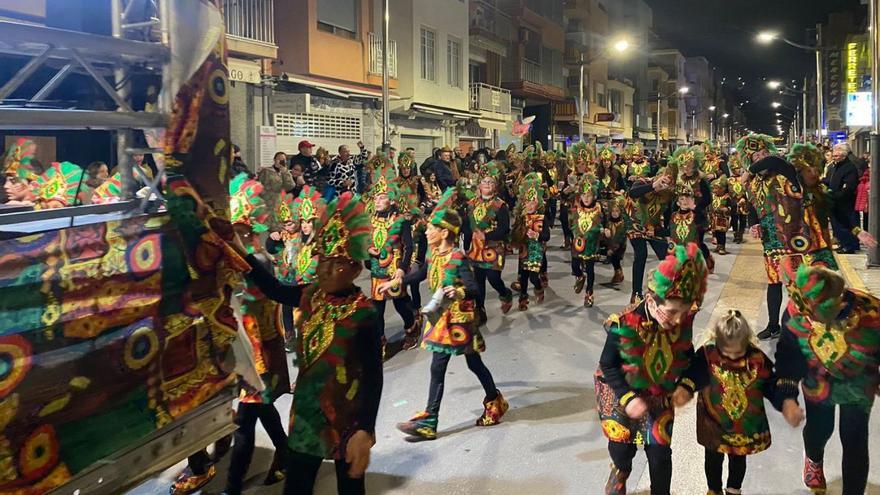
858 276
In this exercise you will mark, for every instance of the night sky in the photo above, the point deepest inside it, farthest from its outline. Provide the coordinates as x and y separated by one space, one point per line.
723 31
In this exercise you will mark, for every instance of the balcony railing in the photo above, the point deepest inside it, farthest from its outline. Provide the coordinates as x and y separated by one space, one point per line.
490 98
531 72
488 20
375 41
252 20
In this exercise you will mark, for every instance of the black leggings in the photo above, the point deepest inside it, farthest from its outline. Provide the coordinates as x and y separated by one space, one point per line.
736 466
563 219
287 321
524 278
438 378
853 430
579 268
640 253
721 238
243 448
738 222
774 304
494 278
302 471
701 241
616 257
404 308
659 463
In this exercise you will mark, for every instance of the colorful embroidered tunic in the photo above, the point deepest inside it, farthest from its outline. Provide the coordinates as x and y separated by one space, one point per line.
392 238
586 228
266 336
641 359
720 212
683 227
638 170
645 208
531 252
618 228
455 332
730 408
738 196
835 363
493 219
339 383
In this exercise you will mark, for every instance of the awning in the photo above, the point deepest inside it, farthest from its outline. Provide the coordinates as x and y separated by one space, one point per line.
498 125
341 90
647 135
443 111
596 130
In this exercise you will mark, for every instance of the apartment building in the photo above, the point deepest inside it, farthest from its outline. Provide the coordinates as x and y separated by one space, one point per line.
673 120
634 19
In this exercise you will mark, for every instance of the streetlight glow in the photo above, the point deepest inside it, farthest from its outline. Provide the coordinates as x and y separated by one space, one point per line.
766 37
621 45
712 108
726 115
776 104
774 84
683 90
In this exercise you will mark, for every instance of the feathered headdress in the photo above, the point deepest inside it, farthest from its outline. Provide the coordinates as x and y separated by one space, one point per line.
682 275
17 162
59 183
344 229
532 189
490 170
607 153
444 214
685 154
284 207
405 162
246 207
806 155
633 150
709 148
582 152
308 205
111 189
814 290
720 184
751 144
683 189
589 183
383 177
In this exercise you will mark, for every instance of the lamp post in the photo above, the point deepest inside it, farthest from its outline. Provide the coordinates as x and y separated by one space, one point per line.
767 37
660 97
386 143
873 198
619 46
787 90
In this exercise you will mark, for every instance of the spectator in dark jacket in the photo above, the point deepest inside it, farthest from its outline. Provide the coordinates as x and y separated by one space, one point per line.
843 181
443 169
238 165
312 171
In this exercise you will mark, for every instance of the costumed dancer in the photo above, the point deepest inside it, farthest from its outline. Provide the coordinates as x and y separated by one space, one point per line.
450 329
739 211
720 212
250 216
411 206
616 227
339 382
611 181
489 219
831 348
732 376
636 165
390 251
531 233
19 174
580 156
587 229
689 160
775 193
646 207
683 224
647 351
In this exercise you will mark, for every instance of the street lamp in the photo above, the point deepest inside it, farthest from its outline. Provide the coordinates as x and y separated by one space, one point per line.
767 37
660 97
776 104
620 46
712 108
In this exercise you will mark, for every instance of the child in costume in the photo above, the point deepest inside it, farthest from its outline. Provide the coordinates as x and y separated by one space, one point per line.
732 376
586 225
391 250
339 383
831 347
689 160
249 217
647 351
611 182
636 165
489 229
720 212
455 331
616 227
646 207
531 233
19 175
683 226
739 210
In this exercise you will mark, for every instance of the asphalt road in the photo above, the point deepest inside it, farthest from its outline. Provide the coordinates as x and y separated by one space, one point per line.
550 441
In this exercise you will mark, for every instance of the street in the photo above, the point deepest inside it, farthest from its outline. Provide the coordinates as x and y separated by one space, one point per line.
550 441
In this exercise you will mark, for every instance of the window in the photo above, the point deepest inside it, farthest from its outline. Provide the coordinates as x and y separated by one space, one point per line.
532 42
615 103
338 17
600 95
427 47
655 85
453 62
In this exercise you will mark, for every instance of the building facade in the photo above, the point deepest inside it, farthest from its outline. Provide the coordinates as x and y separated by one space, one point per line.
674 118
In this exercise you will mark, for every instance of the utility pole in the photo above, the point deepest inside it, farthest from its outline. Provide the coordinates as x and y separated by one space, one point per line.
874 191
804 112
659 99
386 143
820 100
581 110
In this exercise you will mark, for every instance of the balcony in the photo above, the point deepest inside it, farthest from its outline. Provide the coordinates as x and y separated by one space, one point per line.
250 27
488 98
490 28
375 67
